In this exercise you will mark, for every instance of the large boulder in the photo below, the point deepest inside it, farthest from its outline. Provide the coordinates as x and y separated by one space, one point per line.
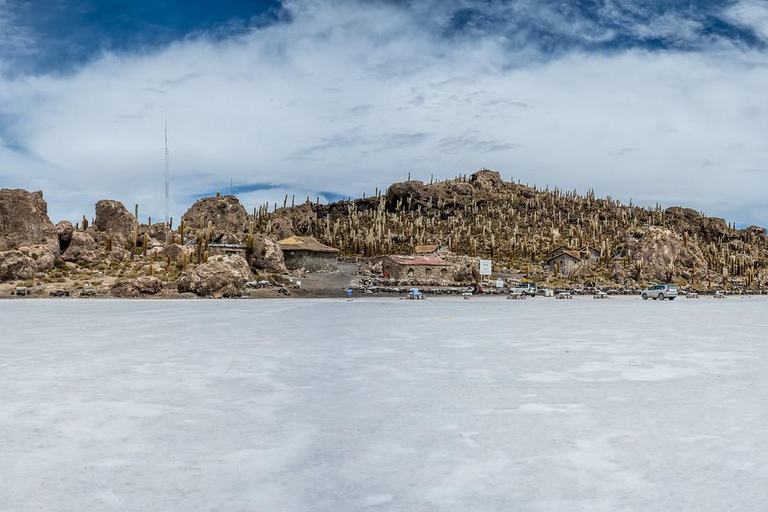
756 234
486 180
405 193
16 265
24 221
144 285
712 229
659 248
268 256
113 216
223 276
225 213
64 230
293 220
82 248
282 227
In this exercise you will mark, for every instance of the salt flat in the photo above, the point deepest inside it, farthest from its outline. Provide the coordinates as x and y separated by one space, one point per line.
329 405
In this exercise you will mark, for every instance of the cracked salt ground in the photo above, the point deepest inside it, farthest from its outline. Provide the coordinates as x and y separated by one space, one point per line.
383 405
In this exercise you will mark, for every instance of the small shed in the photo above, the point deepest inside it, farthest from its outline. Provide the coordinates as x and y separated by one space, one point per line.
417 268
564 261
307 253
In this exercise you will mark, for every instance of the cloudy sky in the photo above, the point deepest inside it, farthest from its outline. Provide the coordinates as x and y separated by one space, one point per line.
654 100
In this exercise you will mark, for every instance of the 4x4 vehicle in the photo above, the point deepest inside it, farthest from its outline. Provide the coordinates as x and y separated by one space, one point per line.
525 289
660 291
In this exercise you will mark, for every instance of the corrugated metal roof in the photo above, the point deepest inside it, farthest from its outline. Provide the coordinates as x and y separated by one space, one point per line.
418 260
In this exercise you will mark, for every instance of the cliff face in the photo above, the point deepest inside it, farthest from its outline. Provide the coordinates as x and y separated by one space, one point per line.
29 242
24 220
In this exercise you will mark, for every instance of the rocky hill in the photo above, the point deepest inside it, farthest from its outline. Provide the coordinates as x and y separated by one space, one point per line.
517 226
470 217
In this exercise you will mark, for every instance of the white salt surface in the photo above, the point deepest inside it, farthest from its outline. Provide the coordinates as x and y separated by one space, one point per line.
444 405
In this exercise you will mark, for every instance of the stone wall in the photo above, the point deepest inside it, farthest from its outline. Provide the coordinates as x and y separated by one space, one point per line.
311 261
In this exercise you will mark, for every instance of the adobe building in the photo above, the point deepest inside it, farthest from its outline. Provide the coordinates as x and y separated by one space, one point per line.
417 268
307 253
563 262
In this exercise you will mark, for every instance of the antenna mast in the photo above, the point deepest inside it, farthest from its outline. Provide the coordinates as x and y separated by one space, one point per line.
167 177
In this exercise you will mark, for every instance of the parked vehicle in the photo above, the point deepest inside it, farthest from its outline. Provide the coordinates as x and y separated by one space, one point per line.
660 291
525 289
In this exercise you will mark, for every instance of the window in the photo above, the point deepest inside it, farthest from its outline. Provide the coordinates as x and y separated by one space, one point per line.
410 271
428 272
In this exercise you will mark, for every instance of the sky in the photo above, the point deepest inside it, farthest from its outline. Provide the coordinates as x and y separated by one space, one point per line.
650 101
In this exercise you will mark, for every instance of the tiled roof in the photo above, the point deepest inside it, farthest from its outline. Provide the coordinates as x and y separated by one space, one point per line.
418 260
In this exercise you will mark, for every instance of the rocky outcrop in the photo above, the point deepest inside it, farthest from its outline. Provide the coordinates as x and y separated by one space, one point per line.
294 220
412 194
141 286
114 217
24 221
268 256
282 227
486 180
661 248
757 234
223 276
16 265
225 213
64 230
82 248
712 228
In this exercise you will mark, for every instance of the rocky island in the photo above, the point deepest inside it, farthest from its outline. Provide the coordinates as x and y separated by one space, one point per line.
219 249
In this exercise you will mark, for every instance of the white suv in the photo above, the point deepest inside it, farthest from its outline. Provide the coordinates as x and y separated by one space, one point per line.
660 291
525 289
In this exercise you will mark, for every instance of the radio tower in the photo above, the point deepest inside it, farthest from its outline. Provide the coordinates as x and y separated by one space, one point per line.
167 178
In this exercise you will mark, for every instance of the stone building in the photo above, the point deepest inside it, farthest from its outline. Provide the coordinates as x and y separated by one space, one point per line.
307 253
417 268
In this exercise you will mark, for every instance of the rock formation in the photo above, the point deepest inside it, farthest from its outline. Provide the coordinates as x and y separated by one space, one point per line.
268 256
24 221
138 287
223 276
225 213
661 250
16 265
112 216
64 230
82 248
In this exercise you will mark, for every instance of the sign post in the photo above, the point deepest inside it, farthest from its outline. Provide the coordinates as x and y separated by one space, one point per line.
485 268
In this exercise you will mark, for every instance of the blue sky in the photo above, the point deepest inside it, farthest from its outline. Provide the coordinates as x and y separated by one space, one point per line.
650 100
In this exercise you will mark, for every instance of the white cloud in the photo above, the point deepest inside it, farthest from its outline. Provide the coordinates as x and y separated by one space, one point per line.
752 14
345 100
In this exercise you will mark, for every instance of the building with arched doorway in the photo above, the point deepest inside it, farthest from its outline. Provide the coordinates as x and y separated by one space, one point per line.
417 268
